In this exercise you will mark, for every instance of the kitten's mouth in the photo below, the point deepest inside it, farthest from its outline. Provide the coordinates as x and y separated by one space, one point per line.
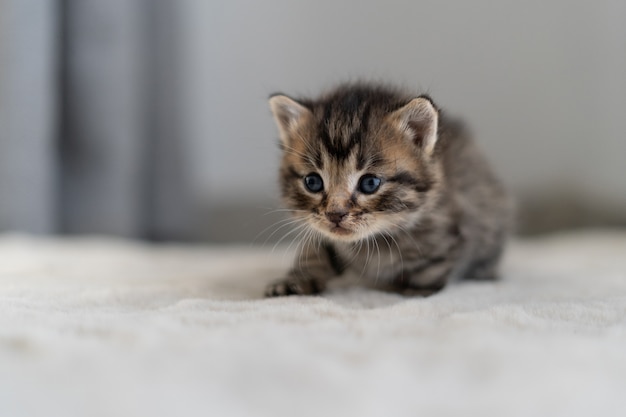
340 230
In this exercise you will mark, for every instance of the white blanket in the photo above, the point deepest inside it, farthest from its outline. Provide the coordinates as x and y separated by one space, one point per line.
100 327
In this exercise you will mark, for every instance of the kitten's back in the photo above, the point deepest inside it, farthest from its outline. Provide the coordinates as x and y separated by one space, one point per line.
484 207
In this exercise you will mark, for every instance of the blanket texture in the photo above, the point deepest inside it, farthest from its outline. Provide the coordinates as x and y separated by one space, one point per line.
101 327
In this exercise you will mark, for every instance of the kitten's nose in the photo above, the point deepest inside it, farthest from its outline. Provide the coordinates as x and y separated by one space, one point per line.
336 216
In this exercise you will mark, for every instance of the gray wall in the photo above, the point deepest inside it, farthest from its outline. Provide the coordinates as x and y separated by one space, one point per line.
28 94
148 118
542 83
120 144
89 140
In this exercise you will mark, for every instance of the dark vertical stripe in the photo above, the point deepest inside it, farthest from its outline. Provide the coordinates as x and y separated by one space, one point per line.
341 148
335 260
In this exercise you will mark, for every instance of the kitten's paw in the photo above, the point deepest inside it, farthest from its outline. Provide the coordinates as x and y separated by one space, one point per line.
419 292
413 289
292 286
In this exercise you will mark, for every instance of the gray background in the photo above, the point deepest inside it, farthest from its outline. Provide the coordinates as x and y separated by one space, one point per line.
149 118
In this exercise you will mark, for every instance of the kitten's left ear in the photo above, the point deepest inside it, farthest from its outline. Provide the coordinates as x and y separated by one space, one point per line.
288 114
419 120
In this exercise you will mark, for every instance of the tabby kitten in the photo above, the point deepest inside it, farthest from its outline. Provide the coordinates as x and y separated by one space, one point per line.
385 184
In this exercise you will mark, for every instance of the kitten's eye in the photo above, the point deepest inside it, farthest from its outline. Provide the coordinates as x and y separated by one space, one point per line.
369 184
314 183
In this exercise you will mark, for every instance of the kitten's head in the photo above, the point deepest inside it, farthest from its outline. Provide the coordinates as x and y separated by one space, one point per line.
359 161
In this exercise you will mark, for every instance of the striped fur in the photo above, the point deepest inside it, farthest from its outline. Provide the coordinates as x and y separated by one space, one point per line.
439 212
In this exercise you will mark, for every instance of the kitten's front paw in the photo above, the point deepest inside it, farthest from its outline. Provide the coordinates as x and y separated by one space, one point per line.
293 286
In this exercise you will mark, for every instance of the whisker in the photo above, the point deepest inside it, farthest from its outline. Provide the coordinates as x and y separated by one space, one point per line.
280 210
354 252
399 253
299 227
367 258
292 222
389 247
378 268
275 224
408 234
296 239
302 245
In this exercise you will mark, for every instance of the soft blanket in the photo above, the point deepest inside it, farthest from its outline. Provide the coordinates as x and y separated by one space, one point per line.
102 327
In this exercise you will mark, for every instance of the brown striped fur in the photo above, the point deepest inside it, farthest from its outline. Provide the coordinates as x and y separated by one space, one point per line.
439 213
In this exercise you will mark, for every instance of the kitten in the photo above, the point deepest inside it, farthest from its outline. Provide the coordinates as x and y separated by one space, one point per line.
387 185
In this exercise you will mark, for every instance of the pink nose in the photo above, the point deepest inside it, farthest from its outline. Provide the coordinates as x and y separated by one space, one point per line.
336 216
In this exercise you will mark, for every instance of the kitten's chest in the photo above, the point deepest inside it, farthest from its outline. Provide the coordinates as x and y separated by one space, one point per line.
378 259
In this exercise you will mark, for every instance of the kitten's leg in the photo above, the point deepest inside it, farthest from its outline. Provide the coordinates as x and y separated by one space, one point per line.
486 257
483 270
309 275
427 278
485 260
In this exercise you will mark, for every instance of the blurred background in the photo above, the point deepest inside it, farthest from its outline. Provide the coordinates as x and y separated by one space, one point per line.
148 118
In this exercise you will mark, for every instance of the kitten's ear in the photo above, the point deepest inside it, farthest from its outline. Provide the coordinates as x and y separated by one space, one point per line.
288 114
419 120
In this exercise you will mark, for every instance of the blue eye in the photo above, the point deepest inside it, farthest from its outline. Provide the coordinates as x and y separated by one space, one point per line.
314 183
369 184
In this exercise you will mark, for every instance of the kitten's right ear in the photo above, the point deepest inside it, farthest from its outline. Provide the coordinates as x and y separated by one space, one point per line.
288 114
